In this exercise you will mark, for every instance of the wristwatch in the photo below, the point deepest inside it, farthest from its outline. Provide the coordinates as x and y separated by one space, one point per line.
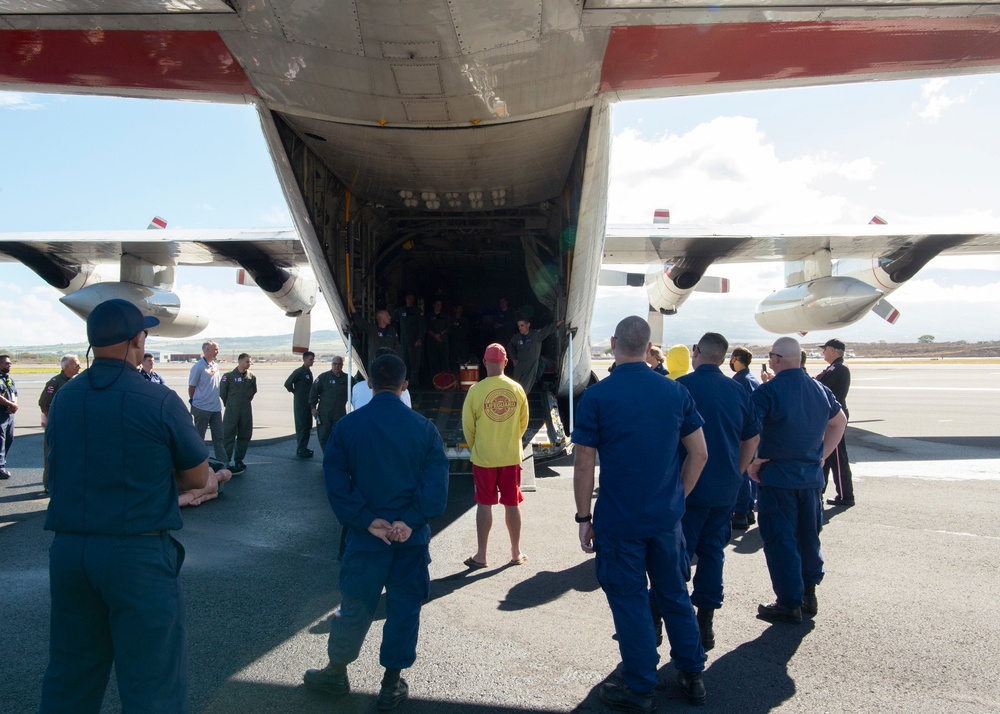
583 519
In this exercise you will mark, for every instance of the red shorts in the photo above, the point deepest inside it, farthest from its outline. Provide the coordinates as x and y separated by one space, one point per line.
492 481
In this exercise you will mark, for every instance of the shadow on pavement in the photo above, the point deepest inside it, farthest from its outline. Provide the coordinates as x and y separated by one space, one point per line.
257 697
547 586
752 679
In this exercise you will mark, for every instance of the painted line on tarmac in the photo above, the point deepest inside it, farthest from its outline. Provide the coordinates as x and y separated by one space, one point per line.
965 535
928 389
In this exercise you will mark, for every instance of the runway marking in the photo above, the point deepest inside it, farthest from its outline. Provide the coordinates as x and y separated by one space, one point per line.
931 389
960 533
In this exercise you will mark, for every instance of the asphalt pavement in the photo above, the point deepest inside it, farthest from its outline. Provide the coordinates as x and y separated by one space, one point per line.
907 612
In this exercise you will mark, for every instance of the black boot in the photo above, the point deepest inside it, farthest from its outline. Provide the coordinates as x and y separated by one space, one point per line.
810 604
332 679
394 690
705 615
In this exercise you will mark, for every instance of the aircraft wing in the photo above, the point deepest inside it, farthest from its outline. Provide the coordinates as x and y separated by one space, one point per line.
212 247
749 244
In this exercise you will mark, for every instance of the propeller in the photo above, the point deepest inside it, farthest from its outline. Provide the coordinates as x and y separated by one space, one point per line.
302 333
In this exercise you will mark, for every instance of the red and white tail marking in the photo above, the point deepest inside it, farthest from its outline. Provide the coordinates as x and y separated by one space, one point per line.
661 215
157 222
878 221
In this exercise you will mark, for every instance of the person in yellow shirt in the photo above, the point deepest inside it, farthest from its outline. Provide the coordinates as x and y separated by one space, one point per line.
678 361
494 418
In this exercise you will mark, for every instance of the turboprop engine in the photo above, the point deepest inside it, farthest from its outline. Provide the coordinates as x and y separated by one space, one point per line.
175 320
820 304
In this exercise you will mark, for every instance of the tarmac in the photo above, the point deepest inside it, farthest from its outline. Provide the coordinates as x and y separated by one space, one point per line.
907 612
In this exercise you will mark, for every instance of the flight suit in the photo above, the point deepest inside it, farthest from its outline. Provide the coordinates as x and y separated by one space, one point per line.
525 352
412 328
44 400
378 337
458 341
237 390
329 397
437 349
299 383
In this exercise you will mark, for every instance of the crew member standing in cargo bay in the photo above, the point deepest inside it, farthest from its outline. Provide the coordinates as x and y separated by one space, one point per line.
525 352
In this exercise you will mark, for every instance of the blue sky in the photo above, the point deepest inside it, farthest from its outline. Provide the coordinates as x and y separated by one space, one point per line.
919 152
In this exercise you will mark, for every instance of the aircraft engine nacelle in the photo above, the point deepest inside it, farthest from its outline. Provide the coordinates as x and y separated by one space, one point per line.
175 321
288 289
664 294
821 304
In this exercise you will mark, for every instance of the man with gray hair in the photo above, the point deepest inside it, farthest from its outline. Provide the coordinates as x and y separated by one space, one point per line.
69 367
328 399
801 423
637 421
204 399
731 432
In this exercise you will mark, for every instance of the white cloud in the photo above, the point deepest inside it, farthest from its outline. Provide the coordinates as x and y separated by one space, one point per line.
935 101
237 311
276 216
18 100
725 171
34 316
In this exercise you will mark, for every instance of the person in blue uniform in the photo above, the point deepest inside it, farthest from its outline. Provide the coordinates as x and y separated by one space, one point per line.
746 500
636 522
731 433
119 448
837 377
146 369
299 383
801 423
386 476
8 407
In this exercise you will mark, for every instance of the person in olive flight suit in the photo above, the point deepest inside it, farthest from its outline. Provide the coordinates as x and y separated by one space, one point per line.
525 351
378 334
438 324
237 390
300 383
70 367
412 327
328 399
458 338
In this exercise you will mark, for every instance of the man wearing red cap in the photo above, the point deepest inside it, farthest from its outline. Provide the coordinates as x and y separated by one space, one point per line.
494 418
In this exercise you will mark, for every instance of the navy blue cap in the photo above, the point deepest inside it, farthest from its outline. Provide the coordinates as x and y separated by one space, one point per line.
835 344
115 321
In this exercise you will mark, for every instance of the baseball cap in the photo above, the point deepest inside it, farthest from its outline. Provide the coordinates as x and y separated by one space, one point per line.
835 344
115 321
495 353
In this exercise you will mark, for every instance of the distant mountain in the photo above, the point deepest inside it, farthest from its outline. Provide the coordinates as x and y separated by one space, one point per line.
323 342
